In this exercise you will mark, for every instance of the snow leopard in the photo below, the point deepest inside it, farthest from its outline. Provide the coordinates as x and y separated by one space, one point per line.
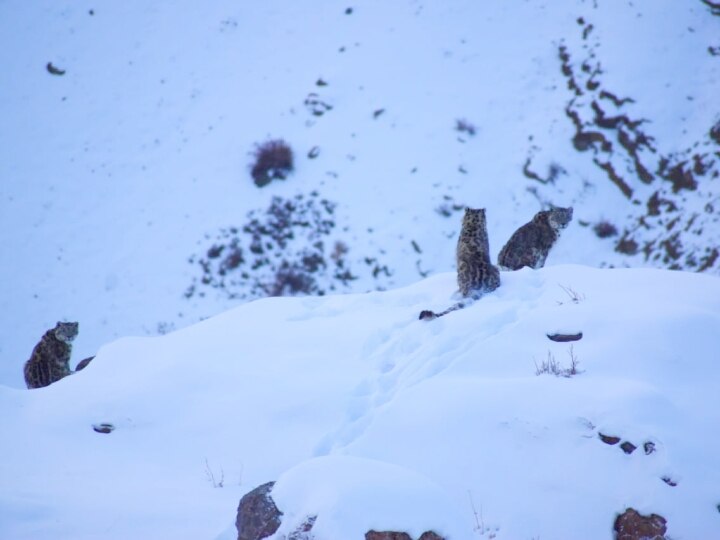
476 275
531 243
50 360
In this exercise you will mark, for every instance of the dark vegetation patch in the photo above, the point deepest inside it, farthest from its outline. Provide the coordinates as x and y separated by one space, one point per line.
605 229
273 160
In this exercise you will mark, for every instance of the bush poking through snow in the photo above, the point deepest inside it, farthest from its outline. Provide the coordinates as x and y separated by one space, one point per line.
211 476
273 160
605 229
553 367
575 297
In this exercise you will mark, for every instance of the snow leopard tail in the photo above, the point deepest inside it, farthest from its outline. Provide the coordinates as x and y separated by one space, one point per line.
428 315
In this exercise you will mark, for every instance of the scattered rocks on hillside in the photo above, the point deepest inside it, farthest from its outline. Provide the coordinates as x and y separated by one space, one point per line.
258 518
315 104
257 515
671 210
630 525
449 207
290 248
287 249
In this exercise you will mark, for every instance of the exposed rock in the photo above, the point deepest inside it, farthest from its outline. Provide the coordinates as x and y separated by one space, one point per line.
257 515
392 535
104 428
630 525
430 535
53 70
628 447
609 439
649 447
564 338
386 535
669 481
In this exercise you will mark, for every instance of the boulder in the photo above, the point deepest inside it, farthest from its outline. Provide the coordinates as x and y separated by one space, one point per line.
392 535
386 535
257 515
630 525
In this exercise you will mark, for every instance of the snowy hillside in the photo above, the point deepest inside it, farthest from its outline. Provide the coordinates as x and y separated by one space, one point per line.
128 129
370 418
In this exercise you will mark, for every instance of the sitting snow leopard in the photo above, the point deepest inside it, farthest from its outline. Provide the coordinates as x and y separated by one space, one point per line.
531 243
50 360
476 275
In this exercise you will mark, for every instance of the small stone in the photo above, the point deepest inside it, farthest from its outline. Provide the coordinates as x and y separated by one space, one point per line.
103 428
609 439
564 338
53 70
649 447
669 481
628 447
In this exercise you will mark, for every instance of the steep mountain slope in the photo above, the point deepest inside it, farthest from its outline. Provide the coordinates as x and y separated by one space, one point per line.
121 174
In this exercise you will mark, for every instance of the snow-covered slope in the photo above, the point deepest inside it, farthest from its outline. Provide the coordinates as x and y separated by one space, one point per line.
135 160
372 418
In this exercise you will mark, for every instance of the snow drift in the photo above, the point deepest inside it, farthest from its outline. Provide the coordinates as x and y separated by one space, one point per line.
451 410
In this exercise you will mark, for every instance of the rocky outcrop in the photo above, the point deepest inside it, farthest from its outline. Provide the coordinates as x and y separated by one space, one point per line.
392 535
259 518
257 515
630 525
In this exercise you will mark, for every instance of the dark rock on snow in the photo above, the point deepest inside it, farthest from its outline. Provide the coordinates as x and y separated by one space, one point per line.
257 515
630 525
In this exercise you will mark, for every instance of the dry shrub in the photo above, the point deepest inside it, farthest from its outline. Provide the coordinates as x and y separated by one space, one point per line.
273 160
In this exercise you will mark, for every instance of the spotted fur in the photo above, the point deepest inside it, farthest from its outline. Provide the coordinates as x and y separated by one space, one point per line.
531 243
50 360
476 275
